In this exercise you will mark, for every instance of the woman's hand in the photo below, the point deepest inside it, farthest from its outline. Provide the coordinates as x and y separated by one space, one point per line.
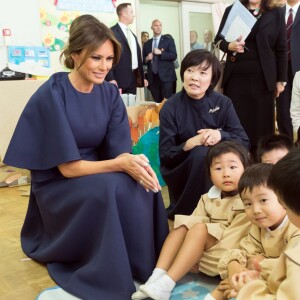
205 137
237 46
209 137
138 167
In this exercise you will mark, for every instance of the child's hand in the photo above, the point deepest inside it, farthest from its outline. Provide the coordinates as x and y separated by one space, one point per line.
253 260
225 287
240 279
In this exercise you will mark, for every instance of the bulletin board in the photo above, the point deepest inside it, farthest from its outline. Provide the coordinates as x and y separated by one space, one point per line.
20 54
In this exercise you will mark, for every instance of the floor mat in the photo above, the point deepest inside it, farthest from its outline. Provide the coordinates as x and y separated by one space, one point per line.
192 286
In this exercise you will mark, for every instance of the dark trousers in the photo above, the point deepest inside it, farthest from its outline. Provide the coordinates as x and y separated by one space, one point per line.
283 104
161 90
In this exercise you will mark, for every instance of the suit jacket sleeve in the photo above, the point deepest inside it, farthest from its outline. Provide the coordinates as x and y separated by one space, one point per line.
170 52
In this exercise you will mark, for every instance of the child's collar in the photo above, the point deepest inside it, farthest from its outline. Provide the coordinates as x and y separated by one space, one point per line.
214 192
281 225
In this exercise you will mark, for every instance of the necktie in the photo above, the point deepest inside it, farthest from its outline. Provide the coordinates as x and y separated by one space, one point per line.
155 58
128 33
289 26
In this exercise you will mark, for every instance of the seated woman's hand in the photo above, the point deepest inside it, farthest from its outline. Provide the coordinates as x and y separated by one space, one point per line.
205 137
138 167
209 137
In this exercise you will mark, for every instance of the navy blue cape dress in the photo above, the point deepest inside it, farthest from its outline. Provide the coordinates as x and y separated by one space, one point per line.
185 172
96 233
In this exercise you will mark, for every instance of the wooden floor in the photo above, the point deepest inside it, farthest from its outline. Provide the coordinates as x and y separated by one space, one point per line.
20 277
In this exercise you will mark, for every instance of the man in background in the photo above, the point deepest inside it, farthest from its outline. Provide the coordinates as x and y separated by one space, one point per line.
194 40
159 54
208 40
283 102
128 73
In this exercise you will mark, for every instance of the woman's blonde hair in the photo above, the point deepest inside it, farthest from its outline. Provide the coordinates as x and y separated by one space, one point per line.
87 32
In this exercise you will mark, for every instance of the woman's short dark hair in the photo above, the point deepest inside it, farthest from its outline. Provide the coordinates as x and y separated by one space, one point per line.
87 32
254 176
228 147
284 180
197 57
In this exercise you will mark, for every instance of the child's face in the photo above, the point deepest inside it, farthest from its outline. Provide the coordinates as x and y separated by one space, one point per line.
262 207
226 171
273 156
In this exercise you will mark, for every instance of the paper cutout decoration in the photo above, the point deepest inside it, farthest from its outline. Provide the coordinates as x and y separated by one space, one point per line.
52 43
47 19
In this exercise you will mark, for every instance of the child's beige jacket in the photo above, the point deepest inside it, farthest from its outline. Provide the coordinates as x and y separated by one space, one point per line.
261 241
283 282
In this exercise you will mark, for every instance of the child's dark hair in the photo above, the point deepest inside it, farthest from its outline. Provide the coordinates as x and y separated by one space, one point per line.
256 175
271 142
228 147
285 180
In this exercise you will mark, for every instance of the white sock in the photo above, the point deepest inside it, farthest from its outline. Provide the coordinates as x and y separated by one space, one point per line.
167 281
157 272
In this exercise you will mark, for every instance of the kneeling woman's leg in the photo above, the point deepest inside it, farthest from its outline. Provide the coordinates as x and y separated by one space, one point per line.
95 233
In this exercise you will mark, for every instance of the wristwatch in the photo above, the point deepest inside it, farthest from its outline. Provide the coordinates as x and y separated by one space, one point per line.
283 83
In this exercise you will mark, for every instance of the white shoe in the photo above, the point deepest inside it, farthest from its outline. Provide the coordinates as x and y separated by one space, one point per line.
139 295
151 293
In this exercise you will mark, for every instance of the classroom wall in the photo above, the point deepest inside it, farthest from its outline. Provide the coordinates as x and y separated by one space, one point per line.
28 22
22 17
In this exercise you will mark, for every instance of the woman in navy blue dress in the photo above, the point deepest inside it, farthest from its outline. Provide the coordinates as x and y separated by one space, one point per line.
95 215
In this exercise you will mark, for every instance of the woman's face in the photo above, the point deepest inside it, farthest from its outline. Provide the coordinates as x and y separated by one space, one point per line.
145 37
254 3
96 66
196 80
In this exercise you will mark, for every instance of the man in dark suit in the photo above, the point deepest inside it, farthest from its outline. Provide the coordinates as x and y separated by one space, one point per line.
283 102
159 54
128 73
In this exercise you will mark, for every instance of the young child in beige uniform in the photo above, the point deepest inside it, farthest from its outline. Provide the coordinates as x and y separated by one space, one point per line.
271 232
217 224
283 282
